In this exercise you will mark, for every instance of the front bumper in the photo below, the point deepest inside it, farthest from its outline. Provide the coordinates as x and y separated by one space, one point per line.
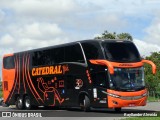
118 99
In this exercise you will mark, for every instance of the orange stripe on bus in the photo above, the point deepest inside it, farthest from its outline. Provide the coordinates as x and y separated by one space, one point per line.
16 76
28 81
23 73
19 67
104 62
31 80
152 64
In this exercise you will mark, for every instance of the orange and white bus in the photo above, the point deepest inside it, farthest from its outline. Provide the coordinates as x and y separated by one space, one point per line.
88 73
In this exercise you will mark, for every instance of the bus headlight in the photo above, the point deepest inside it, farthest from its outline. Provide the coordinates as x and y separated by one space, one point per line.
113 95
110 94
144 94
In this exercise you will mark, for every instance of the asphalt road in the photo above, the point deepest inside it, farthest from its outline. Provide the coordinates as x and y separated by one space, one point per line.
152 108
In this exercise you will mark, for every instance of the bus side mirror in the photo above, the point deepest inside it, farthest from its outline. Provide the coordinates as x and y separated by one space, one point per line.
152 64
104 62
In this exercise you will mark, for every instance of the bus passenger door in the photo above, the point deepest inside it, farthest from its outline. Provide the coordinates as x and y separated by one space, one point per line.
100 85
70 91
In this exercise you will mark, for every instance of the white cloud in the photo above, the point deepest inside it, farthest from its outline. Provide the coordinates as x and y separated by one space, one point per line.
33 23
6 40
31 36
113 22
153 31
129 7
41 8
146 48
2 14
38 30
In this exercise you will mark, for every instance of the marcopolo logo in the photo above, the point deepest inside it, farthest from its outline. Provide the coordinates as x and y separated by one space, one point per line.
125 65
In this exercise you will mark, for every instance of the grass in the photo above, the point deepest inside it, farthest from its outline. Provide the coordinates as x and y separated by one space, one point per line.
153 99
1 94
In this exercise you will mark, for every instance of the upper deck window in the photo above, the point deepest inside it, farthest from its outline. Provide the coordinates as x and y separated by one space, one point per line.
121 51
92 51
48 56
8 62
73 53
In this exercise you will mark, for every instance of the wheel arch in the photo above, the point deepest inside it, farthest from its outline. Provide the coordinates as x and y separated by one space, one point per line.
24 95
82 95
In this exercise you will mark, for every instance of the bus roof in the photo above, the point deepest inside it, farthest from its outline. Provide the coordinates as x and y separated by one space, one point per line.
80 41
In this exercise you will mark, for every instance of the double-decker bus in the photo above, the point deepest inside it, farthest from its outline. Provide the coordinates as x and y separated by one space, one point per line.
85 74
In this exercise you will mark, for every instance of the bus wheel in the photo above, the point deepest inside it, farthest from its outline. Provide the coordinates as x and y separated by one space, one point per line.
27 103
117 109
86 104
19 103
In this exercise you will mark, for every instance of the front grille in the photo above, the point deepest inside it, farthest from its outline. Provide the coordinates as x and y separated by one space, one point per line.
131 97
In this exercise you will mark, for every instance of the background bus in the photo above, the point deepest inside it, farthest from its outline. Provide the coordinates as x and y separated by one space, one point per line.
90 73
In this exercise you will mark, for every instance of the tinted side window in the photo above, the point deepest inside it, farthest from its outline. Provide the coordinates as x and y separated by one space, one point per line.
74 53
8 62
57 55
38 58
48 57
92 51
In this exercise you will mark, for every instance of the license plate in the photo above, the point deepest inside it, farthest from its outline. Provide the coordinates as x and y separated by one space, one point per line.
131 105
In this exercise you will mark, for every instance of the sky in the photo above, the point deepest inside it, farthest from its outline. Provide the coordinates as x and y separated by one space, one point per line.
29 24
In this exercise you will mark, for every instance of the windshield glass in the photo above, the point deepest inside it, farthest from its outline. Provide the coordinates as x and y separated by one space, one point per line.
121 51
127 79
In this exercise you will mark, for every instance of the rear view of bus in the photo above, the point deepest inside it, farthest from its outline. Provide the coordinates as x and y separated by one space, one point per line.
8 76
124 83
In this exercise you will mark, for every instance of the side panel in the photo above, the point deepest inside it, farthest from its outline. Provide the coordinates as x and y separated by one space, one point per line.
99 76
8 79
76 82
60 84
49 85
47 82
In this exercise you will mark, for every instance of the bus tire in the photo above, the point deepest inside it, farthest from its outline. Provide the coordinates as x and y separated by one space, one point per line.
117 109
27 103
86 104
19 103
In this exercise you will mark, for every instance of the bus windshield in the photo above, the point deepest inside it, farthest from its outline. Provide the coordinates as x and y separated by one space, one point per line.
127 79
121 51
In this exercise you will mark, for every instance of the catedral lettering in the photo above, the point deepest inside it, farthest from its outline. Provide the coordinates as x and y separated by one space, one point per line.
84 74
47 70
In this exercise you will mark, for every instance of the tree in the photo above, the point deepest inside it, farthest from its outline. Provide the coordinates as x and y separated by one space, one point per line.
126 36
153 81
109 35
